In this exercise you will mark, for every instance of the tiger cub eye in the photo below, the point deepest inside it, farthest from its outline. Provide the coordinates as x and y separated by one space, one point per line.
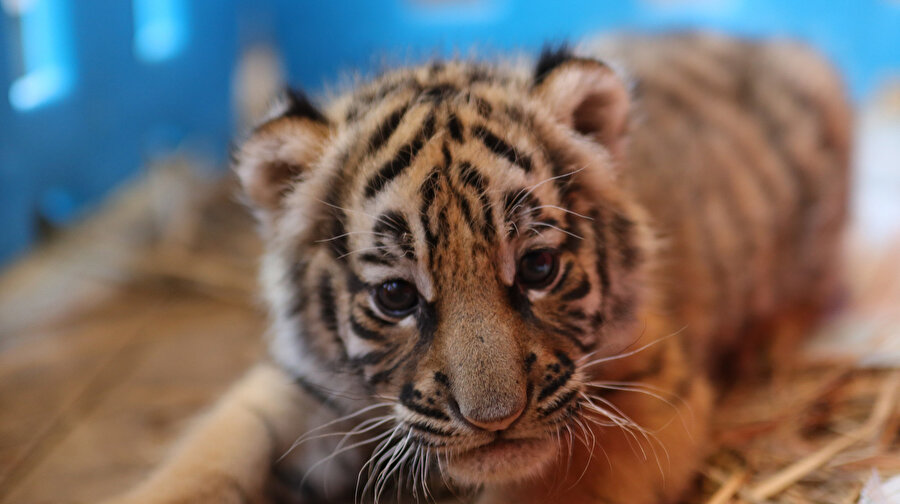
537 269
396 298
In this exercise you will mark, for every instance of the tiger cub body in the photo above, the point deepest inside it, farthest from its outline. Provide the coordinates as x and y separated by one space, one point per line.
519 282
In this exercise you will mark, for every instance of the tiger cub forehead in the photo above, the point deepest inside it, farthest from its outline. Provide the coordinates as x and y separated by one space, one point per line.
449 166
446 150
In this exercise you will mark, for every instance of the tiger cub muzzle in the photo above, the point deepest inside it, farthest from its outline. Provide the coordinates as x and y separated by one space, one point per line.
497 399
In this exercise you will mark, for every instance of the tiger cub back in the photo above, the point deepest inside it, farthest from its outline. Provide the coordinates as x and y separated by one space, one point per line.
740 152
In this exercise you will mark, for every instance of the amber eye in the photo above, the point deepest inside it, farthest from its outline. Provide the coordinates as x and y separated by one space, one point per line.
396 298
537 269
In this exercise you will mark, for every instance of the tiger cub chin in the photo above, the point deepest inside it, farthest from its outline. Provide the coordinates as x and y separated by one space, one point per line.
514 282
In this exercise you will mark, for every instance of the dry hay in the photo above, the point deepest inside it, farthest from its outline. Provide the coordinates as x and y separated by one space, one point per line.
815 436
824 421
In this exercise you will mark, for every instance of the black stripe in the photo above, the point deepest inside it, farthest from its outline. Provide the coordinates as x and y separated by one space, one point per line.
465 208
581 290
370 315
487 213
564 359
295 279
501 148
519 301
602 254
430 430
316 392
516 114
484 108
428 127
455 127
443 227
408 396
529 361
428 190
391 222
370 358
431 238
297 303
385 375
364 101
393 168
551 58
407 240
481 105
559 404
395 224
401 160
429 412
448 159
526 204
555 385
426 323
562 279
339 241
511 199
327 305
337 228
442 378
481 73
381 376
300 107
438 92
381 260
572 242
471 177
353 282
386 129
571 332
364 332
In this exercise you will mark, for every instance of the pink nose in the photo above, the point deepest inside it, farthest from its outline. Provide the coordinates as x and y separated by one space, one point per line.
494 424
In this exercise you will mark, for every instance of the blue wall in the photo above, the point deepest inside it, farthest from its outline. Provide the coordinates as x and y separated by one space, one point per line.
92 89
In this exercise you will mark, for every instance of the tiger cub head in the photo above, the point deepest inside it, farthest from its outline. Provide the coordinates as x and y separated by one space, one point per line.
451 239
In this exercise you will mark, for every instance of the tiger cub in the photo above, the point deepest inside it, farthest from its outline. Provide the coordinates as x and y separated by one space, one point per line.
518 282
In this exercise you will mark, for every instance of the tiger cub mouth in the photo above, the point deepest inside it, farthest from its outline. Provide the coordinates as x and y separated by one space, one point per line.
502 459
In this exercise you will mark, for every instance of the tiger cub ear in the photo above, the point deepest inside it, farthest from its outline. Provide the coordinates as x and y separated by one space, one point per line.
280 151
584 94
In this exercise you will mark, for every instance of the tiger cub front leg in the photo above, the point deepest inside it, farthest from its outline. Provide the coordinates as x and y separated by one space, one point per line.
228 455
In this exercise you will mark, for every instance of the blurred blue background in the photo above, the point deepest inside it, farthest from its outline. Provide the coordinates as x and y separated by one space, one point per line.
93 90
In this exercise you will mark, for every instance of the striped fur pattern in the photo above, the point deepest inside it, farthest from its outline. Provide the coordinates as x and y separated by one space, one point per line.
748 145
686 199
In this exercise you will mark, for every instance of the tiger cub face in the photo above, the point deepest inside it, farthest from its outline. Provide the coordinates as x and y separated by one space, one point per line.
451 239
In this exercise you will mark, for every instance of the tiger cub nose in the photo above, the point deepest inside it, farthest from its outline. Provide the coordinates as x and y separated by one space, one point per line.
494 420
